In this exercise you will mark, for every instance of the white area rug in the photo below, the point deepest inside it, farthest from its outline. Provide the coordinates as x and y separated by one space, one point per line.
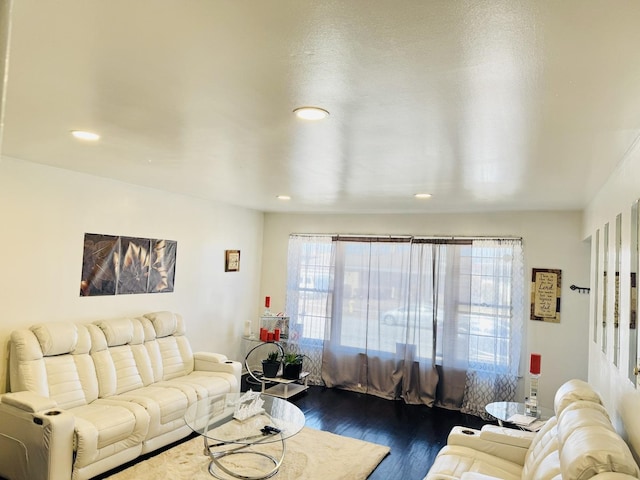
311 455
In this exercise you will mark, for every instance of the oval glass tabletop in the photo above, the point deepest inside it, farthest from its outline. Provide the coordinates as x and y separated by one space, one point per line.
505 410
222 418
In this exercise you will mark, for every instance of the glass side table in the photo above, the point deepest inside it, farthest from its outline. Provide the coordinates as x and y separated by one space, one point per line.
503 411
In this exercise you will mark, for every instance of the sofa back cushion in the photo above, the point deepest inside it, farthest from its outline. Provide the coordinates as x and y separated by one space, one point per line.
53 360
170 352
130 353
121 331
593 450
572 391
575 417
121 359
589 444
56 338
166 323
542 453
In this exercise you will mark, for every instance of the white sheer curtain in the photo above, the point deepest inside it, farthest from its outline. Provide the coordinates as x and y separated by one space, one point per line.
496 323
421 372
310 273
432 321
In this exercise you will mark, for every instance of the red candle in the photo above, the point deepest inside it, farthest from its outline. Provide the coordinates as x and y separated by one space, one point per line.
276 334
267 302
270 337
534 365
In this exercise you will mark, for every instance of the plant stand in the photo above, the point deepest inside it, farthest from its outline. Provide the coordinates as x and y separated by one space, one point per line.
285 388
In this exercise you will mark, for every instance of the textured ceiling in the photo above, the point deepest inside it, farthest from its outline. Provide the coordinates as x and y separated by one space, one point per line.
487 105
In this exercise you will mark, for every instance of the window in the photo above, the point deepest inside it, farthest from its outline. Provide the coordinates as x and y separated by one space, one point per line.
377 314
309 286
443 298
488 271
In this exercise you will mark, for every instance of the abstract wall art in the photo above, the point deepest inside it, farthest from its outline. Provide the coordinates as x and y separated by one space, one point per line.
118 265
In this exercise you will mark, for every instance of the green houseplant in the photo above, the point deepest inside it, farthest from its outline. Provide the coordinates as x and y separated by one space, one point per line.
292 365
271 365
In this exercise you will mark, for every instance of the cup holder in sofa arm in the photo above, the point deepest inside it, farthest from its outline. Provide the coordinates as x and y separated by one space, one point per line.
52 413
511 447
460 435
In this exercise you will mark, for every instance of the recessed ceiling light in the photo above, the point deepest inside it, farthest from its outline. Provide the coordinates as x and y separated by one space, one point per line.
311 113
283 197
83 135
422 195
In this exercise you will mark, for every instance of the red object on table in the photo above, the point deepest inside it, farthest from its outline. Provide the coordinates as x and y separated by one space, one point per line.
267 302
276 334
534 365
270 337
263 334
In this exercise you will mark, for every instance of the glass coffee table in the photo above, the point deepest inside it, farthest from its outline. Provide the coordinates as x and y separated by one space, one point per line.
504 411
227 433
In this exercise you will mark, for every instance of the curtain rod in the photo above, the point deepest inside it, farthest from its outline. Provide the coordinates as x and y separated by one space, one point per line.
419 237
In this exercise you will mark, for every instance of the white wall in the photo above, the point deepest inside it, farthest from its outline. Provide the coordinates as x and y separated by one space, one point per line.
551 240
5 16
45 212
619 393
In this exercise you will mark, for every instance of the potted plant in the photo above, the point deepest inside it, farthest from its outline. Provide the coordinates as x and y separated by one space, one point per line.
292 365
271 365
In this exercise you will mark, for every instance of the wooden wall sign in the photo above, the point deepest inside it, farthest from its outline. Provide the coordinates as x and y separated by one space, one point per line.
545 294
232 260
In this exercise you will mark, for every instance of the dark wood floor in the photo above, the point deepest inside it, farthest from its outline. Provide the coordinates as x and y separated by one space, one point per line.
414 433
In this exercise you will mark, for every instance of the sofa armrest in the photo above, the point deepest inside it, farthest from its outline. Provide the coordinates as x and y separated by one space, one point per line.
44 435
216 362
508 446
210 357
28 401
507 436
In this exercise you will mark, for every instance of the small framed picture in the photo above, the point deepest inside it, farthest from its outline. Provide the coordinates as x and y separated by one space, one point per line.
232 260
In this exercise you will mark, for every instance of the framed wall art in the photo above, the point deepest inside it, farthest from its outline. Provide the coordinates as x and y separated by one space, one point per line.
545 294
118 265
232 260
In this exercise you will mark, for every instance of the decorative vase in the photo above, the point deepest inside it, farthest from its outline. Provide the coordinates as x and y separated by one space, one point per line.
270 369
292 371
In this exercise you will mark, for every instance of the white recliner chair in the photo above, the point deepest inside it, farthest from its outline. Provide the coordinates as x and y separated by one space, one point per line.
579 443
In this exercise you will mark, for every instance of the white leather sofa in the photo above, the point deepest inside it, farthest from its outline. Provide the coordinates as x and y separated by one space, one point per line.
578 443
86 398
